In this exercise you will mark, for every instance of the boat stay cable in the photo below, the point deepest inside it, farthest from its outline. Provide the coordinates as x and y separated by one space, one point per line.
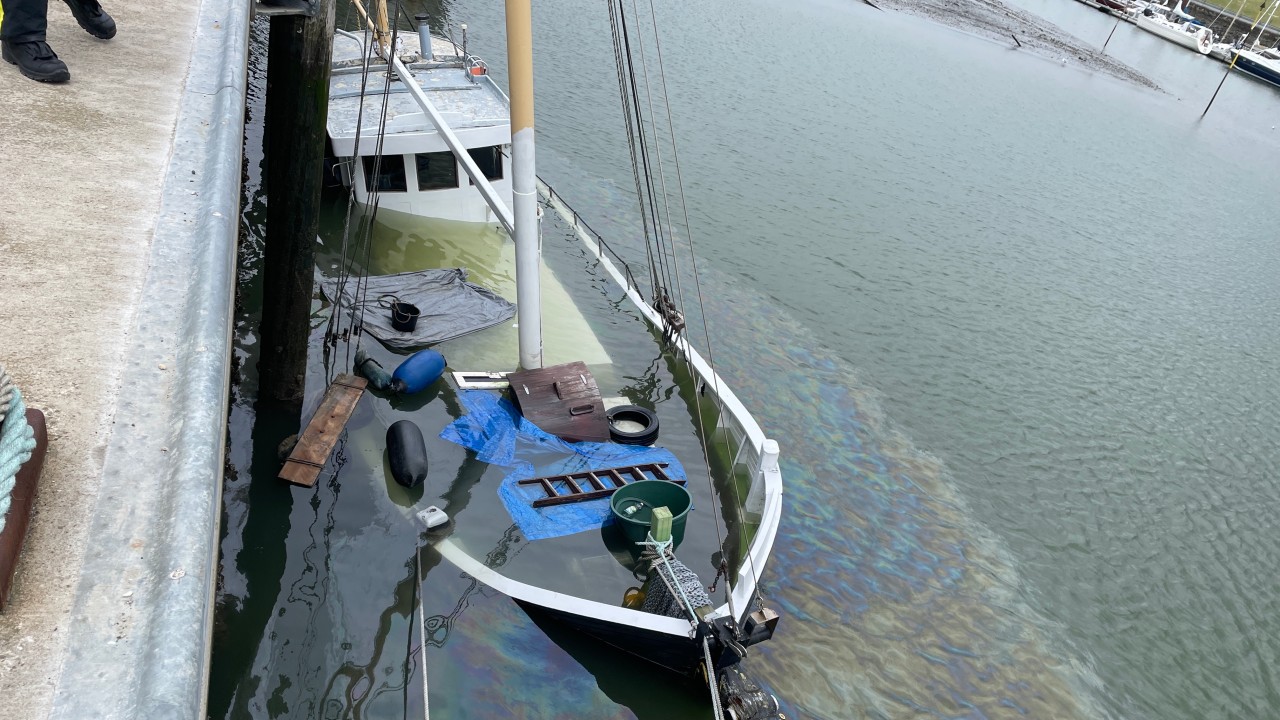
693 260
672 310
344 270
367 223
639 158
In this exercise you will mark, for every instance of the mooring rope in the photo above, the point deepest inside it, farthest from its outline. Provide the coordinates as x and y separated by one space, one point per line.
684 594
17 439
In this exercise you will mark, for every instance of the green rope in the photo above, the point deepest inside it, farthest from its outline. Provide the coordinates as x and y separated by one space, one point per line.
17 439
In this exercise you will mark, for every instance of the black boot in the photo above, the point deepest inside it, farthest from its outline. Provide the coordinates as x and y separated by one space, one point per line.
93 18
36 60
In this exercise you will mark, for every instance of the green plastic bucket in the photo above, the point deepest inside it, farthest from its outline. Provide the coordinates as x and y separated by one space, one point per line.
633 506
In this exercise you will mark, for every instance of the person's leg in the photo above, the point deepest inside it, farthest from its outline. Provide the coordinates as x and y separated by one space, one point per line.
22 41
24 20
93 18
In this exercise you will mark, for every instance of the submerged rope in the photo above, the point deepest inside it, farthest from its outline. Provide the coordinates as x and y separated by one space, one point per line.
680 595
681 591
17 439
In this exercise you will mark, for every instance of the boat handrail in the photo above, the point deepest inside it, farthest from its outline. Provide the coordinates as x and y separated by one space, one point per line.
352 36
762 460
600 241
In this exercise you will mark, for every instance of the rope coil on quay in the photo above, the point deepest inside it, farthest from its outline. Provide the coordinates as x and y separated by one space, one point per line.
17 439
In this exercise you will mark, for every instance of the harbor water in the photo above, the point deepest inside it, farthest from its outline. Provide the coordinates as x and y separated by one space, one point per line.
1011 321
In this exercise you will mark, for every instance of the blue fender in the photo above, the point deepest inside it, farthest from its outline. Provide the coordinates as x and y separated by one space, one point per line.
419 370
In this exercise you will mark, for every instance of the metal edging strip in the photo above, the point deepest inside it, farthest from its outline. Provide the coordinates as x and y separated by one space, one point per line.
139 635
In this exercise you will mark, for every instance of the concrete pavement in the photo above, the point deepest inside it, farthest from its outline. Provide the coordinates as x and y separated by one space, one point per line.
95 225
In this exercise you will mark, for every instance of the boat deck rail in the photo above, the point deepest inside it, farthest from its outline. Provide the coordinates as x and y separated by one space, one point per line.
752 452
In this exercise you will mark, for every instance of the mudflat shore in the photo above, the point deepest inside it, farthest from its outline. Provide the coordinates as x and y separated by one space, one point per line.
1002 23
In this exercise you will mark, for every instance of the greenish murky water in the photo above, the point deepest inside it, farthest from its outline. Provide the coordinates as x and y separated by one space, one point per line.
1012 324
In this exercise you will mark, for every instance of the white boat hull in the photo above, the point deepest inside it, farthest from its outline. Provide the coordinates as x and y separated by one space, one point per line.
1201 41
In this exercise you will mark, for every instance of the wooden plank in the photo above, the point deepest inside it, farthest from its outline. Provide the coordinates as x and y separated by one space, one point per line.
317 441
21 500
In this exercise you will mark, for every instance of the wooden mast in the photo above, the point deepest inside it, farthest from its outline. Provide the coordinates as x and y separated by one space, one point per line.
383 31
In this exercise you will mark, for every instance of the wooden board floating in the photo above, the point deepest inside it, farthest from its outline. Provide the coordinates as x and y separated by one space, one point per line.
563 400
317 441
20 503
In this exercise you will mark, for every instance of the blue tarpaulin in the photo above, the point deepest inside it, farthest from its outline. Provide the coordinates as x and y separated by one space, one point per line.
501 436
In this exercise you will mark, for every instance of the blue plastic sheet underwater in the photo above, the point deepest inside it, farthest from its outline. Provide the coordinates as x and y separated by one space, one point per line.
501 436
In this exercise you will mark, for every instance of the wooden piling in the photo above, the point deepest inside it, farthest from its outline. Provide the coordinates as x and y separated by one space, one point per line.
299 54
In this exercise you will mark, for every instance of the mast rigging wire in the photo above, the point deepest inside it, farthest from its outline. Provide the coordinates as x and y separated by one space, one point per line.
367 223
646 161
693 260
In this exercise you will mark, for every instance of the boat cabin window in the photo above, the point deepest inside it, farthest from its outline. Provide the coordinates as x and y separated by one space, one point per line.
489 160
390 174
437 171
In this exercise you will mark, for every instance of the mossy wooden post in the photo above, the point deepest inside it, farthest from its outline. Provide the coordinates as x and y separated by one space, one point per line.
660 524
660 531
299 53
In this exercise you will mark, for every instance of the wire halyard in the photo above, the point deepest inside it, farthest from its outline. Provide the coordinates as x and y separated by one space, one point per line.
367 222
357 165
647 161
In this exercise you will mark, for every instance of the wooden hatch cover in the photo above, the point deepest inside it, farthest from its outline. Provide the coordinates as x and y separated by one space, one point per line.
312 451
563 399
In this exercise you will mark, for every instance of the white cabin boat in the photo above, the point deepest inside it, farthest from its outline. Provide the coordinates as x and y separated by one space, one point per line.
417 173
1159 20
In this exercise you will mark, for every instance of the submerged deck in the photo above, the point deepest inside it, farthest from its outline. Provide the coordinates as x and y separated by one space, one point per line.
118 208
335 627
580 323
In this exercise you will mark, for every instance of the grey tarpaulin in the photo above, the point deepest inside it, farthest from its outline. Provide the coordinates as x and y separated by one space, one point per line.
449 305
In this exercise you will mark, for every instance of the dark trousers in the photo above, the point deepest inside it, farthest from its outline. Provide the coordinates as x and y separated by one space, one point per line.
24 20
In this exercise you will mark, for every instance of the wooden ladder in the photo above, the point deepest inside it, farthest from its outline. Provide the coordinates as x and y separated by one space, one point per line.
616 477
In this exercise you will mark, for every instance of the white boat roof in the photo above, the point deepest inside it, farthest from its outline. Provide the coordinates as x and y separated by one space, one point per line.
475 108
